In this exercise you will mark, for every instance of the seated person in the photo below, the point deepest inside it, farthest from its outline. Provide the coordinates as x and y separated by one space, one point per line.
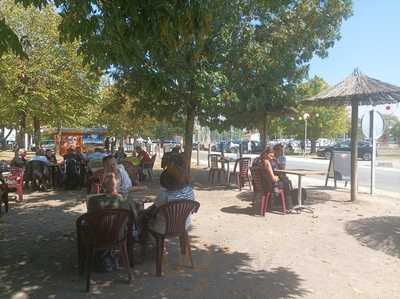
279 157
269 163
143 155
175 183
175 151
19 159
50 156
124 183
40 156
109 199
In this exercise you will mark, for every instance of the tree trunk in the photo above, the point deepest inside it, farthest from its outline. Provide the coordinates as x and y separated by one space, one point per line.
188 140
313 146
22 128
263 132
36 131
3 142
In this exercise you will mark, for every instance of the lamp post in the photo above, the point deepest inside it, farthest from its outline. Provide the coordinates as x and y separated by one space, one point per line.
305 117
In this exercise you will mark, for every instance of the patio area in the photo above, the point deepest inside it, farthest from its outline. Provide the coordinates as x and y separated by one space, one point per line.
343 250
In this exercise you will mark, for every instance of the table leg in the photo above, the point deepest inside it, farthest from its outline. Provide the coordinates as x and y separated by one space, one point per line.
299 207
299 191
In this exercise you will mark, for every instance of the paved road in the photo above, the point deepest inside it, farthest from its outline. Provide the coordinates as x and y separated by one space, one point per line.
387 179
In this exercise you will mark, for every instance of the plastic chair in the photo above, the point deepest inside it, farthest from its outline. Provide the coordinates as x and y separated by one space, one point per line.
214 167
175 214
241 174
263 185
15 180
104 229
148 166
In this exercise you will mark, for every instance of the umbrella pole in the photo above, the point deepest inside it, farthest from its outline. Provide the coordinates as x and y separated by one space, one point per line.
354 149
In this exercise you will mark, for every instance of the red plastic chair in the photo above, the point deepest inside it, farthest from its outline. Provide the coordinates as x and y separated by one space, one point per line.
241 174
15 180
264 186
104 229
175 214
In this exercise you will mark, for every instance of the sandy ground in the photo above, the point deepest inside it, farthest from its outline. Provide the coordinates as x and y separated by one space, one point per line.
342 250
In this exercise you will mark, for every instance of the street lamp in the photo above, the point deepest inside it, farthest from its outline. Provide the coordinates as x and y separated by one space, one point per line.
306 116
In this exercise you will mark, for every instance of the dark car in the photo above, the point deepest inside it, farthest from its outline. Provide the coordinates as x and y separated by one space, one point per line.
364 150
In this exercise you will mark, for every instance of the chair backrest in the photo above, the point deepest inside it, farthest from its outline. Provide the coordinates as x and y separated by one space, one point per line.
104 228
244 164
214 158
176 213
260 180
16 176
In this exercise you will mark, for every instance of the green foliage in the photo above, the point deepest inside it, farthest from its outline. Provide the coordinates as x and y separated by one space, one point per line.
269 57
9 41
226 62
51 85
324 122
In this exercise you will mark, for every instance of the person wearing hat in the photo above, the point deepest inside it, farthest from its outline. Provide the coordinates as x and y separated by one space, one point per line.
175 185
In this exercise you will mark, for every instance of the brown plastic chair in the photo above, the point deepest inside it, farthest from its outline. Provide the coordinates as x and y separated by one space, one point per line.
214 167
241 174
175 214
104 229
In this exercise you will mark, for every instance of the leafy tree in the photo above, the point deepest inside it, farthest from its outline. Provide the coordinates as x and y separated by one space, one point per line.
269 58
51 87
173 57
323 122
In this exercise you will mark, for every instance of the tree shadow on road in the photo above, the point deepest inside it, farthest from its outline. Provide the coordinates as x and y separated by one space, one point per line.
379 233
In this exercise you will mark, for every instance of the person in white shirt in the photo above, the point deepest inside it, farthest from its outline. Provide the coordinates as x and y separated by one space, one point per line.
124 182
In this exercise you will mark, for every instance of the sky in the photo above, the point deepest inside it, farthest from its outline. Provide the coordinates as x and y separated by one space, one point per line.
371 42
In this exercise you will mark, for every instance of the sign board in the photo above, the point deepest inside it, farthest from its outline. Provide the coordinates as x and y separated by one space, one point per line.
339 167
378 124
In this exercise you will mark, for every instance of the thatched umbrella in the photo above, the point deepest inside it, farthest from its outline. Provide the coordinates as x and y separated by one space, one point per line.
357 89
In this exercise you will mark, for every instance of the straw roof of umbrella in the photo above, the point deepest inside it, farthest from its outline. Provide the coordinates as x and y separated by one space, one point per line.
366 90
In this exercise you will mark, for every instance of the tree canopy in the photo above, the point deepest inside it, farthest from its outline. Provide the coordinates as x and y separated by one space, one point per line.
51 87
224 62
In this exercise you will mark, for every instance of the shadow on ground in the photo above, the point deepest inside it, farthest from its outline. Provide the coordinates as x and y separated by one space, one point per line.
38 257
379 233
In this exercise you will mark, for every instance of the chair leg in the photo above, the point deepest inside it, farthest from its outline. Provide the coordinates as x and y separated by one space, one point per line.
89 264
20 193
262 204
268 198
248 179
238 182
182 244
159 255
125 259
283 200
189 249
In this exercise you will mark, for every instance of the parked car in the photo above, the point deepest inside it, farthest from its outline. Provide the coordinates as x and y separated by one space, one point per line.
364 150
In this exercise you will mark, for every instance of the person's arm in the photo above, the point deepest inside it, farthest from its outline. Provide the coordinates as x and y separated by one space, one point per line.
270 172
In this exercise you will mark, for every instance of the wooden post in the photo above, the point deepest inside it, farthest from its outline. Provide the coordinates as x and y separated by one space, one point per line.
354 149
